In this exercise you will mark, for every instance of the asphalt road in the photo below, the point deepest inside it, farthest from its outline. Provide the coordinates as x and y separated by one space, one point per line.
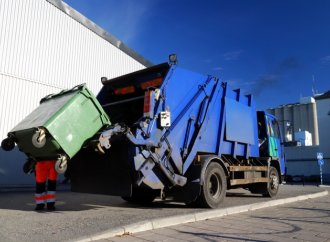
80 215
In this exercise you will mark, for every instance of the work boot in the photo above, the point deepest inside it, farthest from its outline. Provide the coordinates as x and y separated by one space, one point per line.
39 207
51 206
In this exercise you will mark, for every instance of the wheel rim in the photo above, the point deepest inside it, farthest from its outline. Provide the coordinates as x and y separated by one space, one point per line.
38 141
61 166
214 185
274 182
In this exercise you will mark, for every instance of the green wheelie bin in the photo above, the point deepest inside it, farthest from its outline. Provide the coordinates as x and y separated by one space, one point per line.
58 128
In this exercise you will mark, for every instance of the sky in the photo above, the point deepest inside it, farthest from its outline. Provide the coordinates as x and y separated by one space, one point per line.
277 50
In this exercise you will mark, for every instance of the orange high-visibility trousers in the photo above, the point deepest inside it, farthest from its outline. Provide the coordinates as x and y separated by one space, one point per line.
45 172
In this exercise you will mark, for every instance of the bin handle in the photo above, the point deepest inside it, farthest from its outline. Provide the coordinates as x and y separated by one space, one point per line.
78 87
46 97
63 91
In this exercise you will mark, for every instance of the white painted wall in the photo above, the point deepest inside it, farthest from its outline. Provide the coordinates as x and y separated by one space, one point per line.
46 46
323 115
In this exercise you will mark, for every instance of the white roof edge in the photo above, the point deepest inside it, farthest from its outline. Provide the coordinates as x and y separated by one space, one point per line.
99 31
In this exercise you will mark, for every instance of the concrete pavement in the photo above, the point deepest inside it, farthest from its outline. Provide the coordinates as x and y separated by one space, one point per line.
307 220
86 215
300 218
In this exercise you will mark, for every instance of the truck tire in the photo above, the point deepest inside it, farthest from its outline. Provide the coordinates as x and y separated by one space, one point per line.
269 189
141 196
213 190
273 184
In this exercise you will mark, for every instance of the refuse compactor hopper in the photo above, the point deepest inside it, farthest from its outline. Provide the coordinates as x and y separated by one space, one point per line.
58 128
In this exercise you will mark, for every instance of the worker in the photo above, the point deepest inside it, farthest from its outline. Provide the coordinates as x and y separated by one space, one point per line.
45 172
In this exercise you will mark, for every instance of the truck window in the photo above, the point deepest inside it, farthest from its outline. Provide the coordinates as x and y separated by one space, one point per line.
275 129
272 128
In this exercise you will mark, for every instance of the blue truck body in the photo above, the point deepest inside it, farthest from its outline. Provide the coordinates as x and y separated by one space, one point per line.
179 134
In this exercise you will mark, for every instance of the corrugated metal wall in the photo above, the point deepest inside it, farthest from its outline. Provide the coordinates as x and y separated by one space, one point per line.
46 46
44 50
18 97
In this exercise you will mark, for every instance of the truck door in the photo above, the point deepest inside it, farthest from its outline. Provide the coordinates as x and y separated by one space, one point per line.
275 146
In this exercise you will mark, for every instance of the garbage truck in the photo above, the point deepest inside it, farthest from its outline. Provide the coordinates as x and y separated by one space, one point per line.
179 135
176 134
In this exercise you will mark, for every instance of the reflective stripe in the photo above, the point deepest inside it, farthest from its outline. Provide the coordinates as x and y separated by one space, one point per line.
39 195
40 198
51 196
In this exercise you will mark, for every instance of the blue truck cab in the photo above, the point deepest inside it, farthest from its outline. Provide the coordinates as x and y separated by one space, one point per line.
270 138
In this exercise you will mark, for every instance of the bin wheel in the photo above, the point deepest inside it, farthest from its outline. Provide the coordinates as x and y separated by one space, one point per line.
213 191
39 138
61 165
7 144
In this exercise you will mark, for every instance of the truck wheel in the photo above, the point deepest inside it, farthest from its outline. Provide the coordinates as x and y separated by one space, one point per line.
214 189
269 189
273 184
7 144
141 196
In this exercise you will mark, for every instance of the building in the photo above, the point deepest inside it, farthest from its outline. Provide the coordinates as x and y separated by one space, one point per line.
310 116
323 116
296 119
47 46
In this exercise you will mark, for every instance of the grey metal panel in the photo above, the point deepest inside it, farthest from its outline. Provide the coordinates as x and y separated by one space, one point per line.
323 116
314 124
99 31
288 117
